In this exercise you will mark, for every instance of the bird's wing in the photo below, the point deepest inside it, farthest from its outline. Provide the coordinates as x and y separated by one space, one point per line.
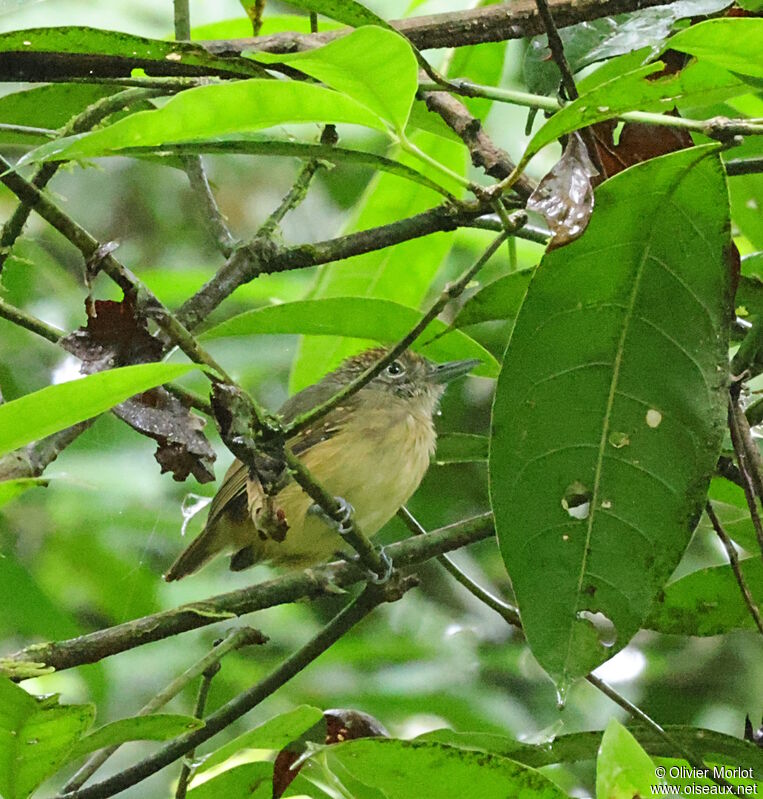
237 486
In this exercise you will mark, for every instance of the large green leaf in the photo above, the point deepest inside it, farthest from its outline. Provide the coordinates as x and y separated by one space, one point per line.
610 408
151 727
374 66
273 734
121 52
623 768
10 489
358 317
53 408
47 107
708 601
733 43
35 738
581 746
401 273
413 769
215 110
499 300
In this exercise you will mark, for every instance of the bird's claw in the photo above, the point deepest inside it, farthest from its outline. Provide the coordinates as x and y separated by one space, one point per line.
342 524
380 579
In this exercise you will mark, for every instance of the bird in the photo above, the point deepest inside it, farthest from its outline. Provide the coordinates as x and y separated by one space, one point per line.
371 451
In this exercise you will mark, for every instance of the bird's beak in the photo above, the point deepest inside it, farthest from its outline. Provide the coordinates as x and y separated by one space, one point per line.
445 372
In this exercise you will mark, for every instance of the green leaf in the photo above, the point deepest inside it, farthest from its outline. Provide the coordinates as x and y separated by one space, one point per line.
35 613
623 769
273 734
349 12
413 769
402 273
304 150
610 408
499 300
250 781
54 408
357 317
10 489
372 65
121 51
581 746
35 738
156 727
708 601
47 107
732 43
460 448
214 110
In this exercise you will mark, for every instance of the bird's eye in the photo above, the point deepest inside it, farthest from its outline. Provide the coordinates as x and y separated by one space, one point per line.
395 369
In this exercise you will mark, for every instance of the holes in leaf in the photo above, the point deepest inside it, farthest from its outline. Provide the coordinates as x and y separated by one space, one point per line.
618 439
653 418
577 500
603 625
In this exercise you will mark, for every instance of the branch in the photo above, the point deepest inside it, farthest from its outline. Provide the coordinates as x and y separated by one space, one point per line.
306 584
372 596
557 49
484 153
495 23
257 258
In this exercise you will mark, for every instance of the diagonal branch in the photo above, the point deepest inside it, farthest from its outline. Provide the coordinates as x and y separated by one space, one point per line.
307 584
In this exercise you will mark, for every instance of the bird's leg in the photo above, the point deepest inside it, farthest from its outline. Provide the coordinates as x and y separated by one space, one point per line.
343 524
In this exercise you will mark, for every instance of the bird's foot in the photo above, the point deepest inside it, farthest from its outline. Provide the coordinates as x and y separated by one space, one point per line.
371 576
343 524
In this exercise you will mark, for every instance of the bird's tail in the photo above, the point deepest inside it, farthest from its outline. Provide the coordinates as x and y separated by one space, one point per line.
205 546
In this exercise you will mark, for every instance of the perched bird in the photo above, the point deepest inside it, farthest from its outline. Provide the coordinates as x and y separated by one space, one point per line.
371 451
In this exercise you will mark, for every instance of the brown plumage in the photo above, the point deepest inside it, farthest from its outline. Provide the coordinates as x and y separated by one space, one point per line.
372 450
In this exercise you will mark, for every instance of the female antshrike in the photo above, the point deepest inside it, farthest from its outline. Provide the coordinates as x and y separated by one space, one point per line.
371 451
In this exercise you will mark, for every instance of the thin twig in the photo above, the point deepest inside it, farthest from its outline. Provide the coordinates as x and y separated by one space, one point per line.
234 639
720 128
744 166
696 762
198 712
508 612
28 322
449 293
557 49
735 566
306 584
737 442
194 166
372 596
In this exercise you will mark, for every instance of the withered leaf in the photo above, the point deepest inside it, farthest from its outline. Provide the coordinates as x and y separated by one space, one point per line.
565 195
637 143
336 726
116 336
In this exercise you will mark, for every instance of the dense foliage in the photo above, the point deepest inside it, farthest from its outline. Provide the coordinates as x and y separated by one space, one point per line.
190 214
